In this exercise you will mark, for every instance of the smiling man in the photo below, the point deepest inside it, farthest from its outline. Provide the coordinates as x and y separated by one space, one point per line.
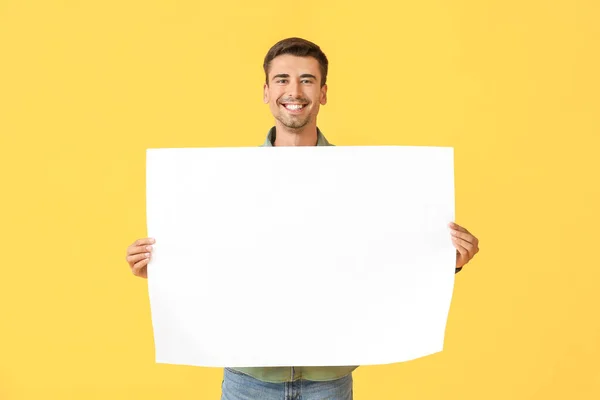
295 88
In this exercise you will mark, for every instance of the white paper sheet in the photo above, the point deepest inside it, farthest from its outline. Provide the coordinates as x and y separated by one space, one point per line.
303 256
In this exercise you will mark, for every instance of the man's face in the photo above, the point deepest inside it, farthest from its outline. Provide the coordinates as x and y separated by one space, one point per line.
294 92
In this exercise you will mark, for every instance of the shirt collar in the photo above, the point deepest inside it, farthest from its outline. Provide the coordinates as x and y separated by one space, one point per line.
269 142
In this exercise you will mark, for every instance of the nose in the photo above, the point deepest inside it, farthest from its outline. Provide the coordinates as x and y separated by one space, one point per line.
294 90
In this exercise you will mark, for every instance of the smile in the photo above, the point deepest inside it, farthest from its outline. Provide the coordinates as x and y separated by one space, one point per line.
294 107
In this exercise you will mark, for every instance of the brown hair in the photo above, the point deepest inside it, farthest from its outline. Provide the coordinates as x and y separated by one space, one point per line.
300 48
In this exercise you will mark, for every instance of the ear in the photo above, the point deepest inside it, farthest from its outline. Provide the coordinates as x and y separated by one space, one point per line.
266 93
323 99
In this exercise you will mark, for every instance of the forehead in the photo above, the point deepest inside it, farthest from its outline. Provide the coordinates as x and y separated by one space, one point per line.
293 65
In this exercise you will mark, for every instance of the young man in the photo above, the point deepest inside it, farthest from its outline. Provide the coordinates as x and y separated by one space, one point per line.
295 88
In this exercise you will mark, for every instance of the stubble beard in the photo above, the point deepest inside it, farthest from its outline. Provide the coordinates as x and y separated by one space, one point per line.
292 123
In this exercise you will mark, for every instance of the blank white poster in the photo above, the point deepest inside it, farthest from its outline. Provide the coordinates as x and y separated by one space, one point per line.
299 256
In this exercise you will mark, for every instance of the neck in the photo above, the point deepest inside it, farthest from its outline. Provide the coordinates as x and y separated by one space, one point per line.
306 136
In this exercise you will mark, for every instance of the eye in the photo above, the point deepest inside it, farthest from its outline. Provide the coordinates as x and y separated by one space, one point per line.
281 80
306 81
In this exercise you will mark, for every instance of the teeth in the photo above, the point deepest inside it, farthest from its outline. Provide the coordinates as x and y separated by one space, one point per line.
294 106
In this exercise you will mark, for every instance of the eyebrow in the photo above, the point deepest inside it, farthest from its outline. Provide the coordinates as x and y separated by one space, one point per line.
301 76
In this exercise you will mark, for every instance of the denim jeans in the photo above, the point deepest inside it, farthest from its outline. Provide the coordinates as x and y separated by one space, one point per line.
238 386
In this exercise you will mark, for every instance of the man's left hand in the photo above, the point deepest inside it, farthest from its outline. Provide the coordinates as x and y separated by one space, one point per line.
466 244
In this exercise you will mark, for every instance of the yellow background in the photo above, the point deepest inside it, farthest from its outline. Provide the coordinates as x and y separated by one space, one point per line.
87 86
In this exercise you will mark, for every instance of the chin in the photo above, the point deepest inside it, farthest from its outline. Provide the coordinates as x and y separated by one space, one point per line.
296 124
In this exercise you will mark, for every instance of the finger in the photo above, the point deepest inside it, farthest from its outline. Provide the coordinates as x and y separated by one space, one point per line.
464 235
137 257
457 227
138 249
462 256
469 247
143 242
138 267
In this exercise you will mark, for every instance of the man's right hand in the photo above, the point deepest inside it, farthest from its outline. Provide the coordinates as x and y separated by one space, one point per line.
138 256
